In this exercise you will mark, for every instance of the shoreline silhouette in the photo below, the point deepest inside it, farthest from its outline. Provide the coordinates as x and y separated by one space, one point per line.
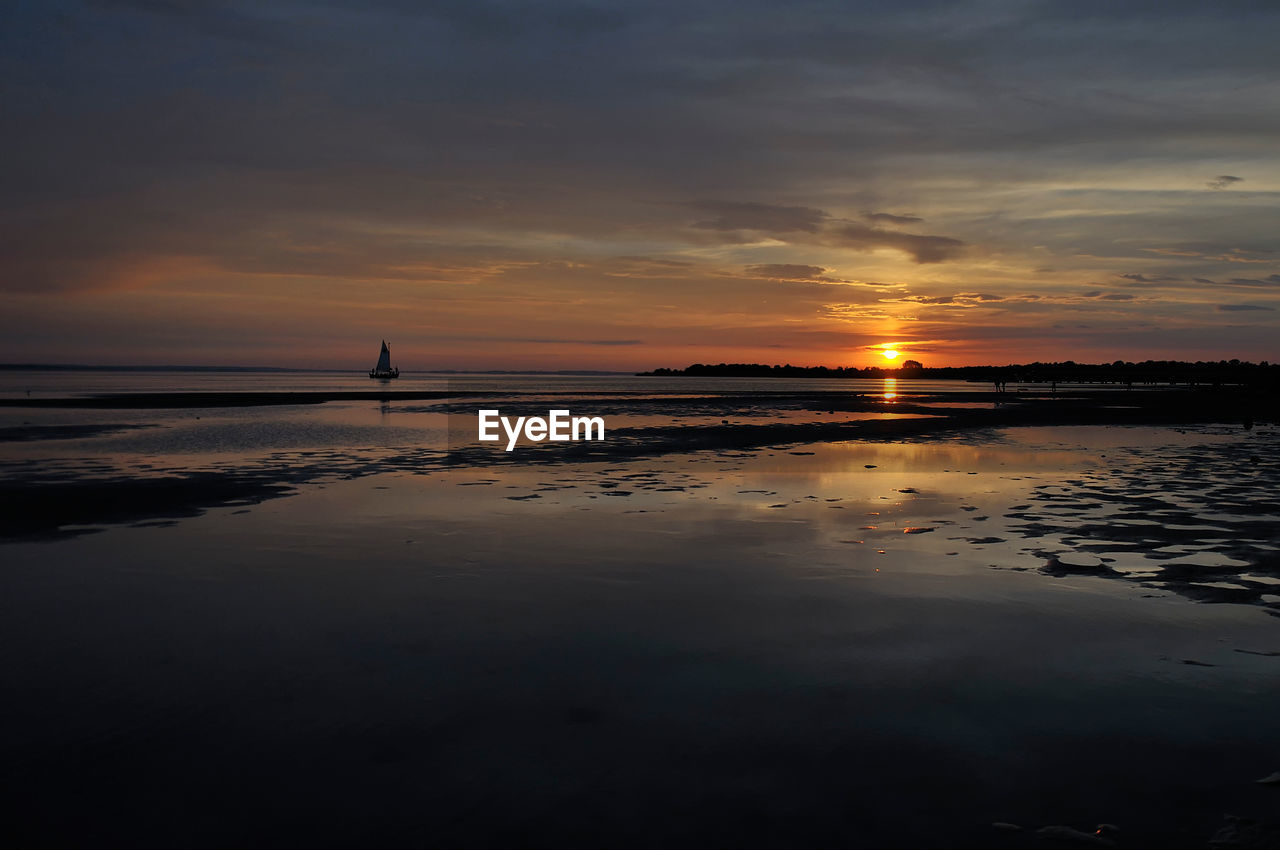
1148 372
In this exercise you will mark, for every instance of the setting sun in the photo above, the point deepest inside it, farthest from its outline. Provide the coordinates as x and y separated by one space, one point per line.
889 354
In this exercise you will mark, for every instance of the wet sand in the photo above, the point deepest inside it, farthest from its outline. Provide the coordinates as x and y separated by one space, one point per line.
335 625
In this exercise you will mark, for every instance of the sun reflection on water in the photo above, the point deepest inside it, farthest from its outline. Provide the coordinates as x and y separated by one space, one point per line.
890 390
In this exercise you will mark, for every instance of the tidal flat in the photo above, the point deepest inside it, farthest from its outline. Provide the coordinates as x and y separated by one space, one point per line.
888 622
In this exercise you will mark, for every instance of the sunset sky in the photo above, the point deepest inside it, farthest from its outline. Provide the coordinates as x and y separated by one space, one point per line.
623 185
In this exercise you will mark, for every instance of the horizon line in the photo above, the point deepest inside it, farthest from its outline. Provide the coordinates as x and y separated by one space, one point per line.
144 367
14 367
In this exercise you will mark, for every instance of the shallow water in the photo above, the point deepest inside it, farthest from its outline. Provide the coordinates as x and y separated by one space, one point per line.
38 383
888 643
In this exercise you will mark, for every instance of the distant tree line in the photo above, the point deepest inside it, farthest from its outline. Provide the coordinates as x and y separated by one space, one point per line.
1148 372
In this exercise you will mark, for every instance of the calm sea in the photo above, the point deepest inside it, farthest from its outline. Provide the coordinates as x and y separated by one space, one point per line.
15 383
332 625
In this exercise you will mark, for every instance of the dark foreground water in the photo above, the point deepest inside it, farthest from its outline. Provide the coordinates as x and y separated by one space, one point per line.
865 644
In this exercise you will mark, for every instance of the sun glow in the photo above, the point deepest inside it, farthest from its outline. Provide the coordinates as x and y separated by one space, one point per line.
889 354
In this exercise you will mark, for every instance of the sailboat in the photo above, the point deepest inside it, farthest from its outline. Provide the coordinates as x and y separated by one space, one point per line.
383 371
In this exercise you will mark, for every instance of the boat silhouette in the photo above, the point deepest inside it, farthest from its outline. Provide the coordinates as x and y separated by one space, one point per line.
384 370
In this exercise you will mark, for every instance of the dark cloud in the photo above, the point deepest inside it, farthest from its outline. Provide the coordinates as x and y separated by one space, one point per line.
967 299
767 218
890 218
1222 181
1244 282
929 299
1270 280
922 249
787 271
1240 308
808 225
1142 278
801 273
1258 252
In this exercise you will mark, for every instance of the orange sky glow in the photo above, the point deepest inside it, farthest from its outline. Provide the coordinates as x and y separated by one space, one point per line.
274 194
